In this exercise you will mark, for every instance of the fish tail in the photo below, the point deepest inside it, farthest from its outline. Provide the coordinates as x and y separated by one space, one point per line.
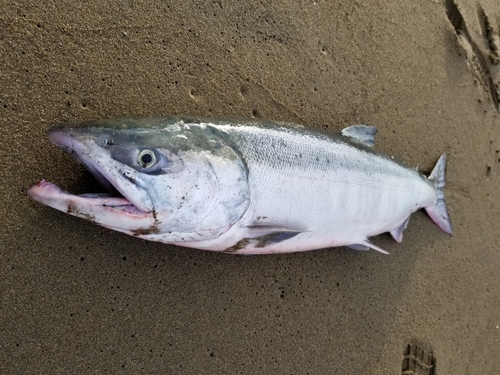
438 211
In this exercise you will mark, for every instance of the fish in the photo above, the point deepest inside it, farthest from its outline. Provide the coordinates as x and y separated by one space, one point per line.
243 186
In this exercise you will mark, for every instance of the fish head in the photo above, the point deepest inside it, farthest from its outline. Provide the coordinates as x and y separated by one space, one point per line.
168 180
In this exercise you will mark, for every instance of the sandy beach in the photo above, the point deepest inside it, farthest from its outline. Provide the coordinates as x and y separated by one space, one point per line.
76 298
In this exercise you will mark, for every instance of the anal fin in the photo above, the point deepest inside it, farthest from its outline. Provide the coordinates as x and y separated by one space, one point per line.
397 233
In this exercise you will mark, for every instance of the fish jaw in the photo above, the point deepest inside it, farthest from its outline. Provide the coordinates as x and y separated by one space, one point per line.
131 213
115 213
83 144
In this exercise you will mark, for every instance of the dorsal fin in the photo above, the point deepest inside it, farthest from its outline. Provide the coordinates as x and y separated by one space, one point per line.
364 134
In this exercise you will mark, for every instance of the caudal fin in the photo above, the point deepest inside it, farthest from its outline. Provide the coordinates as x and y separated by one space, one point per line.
438 212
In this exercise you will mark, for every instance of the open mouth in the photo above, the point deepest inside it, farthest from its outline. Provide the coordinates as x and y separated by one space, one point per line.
50 194
113 198
113 209
112 212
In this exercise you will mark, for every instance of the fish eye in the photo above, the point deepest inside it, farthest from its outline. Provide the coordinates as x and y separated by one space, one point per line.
146 159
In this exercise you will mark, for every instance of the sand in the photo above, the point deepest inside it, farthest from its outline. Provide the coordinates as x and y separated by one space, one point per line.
76 298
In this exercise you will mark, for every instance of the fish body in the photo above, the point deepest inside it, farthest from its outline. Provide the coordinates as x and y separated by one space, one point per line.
243 187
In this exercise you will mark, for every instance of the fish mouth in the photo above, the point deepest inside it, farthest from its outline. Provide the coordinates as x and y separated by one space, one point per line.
116 209
52 195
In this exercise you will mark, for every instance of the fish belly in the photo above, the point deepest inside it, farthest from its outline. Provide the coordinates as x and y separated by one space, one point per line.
339 209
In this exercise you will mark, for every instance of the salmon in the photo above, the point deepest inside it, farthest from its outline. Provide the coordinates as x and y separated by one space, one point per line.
243 186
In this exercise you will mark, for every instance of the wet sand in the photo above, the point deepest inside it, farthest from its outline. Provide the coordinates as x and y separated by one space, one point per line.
76 298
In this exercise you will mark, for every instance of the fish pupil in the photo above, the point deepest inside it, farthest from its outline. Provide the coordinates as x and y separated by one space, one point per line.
146 159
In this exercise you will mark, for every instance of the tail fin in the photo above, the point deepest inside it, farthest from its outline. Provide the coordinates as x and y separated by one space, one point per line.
438 212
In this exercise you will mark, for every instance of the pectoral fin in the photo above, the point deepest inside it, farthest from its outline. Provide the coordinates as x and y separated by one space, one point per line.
263 230
267 234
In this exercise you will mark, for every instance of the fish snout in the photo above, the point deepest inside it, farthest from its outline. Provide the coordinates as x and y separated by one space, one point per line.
58 136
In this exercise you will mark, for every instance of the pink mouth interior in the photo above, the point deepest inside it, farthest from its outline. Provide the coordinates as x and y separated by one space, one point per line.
52 195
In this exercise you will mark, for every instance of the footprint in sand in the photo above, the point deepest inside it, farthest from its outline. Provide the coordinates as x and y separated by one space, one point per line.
418 359
483 57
